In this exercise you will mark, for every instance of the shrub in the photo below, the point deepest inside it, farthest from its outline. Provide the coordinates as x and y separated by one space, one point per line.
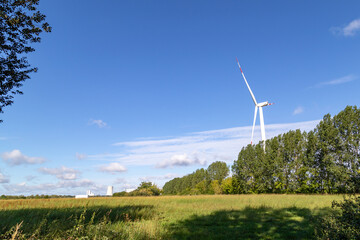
120 194
146 189
344 224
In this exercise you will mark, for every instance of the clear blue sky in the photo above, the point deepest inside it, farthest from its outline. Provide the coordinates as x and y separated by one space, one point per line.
129 91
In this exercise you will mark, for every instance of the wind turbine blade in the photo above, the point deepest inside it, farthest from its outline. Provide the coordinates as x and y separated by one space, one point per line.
262 126
252 95
252 132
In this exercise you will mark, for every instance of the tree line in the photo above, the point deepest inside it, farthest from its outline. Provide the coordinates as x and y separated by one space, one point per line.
144 189
202 181
324 160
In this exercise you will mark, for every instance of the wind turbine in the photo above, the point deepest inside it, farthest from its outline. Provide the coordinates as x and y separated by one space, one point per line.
257 106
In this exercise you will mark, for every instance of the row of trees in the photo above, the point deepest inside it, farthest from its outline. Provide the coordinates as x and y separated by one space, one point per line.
325 160
144 189
202 181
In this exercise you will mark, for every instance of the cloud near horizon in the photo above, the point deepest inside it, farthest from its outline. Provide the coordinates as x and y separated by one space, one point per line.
181 160
80 156
198 148
15 157
157 178
113 168
53 188
3 178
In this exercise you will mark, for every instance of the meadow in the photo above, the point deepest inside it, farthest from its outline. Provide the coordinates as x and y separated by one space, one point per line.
267 216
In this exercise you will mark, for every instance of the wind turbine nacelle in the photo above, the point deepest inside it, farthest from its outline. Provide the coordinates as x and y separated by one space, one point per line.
262 104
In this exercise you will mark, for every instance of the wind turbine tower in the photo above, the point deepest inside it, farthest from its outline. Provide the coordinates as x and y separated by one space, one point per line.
257 106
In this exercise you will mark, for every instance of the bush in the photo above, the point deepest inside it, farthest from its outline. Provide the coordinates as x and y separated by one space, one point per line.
120 194
344 224
146 189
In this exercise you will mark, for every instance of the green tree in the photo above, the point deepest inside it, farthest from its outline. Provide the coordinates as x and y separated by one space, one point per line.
215 187
228 186
217 171
202 187
328 147
187 184
146 189
275 162
311 155
20 26
243 169
120 194
325 160
348 124
344 224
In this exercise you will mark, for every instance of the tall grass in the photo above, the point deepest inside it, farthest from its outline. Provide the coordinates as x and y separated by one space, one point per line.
165 217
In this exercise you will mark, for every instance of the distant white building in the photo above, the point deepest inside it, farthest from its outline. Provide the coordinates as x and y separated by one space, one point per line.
109 191
90 193
81 196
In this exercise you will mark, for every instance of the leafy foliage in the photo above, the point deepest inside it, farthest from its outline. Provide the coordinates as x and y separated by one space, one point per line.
217 171
325 160
345 225
20 26
144 189
199 182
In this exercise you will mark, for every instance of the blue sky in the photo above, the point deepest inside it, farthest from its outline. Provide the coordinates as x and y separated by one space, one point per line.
131 91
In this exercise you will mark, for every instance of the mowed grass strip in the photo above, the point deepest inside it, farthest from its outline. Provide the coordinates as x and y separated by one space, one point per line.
266 216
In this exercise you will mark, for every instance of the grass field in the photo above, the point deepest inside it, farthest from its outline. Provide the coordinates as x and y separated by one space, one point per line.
166 217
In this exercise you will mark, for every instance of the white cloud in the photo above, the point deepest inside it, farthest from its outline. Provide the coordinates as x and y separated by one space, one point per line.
30 178
298 110
158 178
352 28
337 81
100 123
3 178
80 156
181 160
120 180
54 188
194 148
349 30
62 173
123 184
75 184
113 168
15 157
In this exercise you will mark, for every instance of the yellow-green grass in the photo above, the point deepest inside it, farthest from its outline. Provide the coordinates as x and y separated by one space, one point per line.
266 216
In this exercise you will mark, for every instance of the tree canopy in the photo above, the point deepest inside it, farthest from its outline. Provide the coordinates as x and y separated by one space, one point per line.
325 160
218 171
21 24
144 189
202 181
